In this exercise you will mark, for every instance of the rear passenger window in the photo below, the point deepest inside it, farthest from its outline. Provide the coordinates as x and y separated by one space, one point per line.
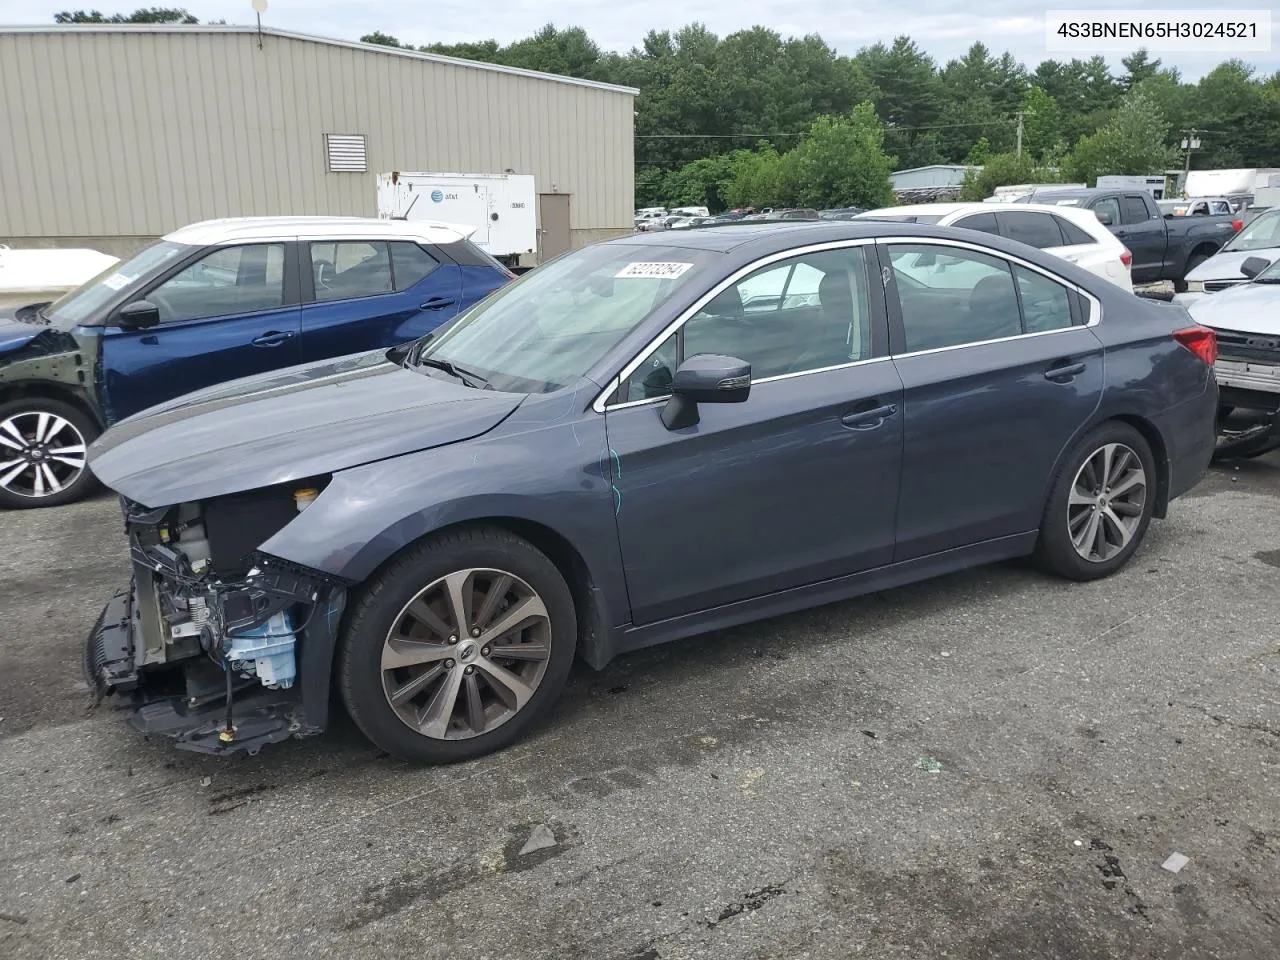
1039 230
1135 211
984 222
1071 234
345 270
952 296
1046 305
410 263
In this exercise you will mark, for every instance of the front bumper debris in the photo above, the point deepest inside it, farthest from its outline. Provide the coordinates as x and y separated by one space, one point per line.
185 701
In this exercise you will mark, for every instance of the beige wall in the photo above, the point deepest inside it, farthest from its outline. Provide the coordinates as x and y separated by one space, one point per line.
119 137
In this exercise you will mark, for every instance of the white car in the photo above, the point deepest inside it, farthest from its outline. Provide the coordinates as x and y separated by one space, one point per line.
33 274
1259 238
1066 232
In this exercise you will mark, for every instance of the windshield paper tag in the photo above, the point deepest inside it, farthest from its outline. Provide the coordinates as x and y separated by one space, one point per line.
117 281
653 271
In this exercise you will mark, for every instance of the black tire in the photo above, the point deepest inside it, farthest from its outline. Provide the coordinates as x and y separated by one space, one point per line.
1180 286
20 492
382 603
1055 550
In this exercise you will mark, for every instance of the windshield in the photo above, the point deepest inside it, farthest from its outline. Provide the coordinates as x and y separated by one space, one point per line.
1260 233
547 329
80 304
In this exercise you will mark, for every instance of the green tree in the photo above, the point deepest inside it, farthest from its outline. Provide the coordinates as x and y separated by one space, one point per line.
1042 123
841 162
1001 170
979 153
143 15
1138 66
382 39
757 179
1135 141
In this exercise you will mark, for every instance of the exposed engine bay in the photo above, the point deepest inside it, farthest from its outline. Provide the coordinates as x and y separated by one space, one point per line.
216 644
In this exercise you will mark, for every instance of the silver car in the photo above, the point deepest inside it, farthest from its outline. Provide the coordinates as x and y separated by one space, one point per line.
1259 238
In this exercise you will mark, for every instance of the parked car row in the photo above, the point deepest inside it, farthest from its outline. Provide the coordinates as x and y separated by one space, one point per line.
639 441
209 303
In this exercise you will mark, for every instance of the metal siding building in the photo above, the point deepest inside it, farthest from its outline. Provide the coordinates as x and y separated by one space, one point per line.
119 134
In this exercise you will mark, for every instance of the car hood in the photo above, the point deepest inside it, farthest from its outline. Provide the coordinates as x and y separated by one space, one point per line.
289 425
1248 308
14 333
1226 265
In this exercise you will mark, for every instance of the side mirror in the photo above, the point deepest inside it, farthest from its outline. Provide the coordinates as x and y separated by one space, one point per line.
706 378
1254 266
138 315
1104 218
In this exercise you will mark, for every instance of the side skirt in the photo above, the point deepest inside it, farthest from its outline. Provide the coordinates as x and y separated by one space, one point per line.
827 591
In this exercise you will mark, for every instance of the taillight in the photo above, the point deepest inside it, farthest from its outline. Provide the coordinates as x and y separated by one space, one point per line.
1126 257
1237 225
1201 341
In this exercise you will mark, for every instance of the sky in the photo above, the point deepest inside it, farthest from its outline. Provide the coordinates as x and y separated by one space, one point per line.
943 28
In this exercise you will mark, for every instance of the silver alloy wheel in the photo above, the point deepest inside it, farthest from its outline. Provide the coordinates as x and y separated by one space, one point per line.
1108 498
466 654
41 454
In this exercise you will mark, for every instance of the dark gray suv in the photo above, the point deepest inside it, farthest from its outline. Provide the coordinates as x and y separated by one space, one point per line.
640 441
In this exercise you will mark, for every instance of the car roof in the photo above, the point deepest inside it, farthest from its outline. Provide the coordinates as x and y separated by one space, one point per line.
759 238
242 229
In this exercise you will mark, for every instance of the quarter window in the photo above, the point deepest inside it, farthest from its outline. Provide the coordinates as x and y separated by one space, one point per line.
410 263
1071 234
1038 230
793 316
1046 305
951 296
226 282
345 270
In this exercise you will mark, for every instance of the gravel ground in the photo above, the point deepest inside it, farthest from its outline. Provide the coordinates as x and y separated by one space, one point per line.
990 765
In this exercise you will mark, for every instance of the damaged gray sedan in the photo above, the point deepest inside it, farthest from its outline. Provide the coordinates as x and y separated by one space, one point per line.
640 441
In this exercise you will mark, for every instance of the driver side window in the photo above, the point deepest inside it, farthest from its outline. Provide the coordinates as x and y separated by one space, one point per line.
796 315
226 282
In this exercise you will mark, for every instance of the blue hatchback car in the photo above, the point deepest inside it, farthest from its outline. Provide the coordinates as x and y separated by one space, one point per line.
211 302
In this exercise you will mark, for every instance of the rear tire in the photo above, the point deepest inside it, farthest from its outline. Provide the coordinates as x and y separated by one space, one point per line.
43 447
458 647
1100 504
1180 286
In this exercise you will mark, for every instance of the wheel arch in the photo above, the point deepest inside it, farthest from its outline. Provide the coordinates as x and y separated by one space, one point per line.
1149 432
28 389
595 633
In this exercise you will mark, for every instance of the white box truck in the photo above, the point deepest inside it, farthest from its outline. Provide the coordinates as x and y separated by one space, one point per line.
1153 184
500 206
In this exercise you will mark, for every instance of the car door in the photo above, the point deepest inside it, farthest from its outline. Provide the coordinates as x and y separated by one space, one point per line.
796 485
230 313
365 294
1145 234
999 372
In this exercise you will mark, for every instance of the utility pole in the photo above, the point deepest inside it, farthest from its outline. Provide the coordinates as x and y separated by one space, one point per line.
1189 142
1019 147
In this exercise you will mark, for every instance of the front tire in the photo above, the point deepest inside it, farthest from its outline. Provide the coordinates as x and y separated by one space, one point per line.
1100 504
458 647
43 447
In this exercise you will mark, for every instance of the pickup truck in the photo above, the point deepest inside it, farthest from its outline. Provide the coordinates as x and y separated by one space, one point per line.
1163 247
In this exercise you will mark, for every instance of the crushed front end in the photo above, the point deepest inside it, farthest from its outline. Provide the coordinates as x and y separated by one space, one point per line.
215 644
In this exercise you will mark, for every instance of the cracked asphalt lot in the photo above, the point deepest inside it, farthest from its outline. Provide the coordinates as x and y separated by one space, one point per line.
990 765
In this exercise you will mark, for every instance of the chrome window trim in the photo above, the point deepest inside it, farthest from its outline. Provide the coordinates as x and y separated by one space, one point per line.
599 405
1092 303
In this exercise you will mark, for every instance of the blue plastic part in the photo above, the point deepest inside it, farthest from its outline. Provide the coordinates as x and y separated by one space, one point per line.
266 651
